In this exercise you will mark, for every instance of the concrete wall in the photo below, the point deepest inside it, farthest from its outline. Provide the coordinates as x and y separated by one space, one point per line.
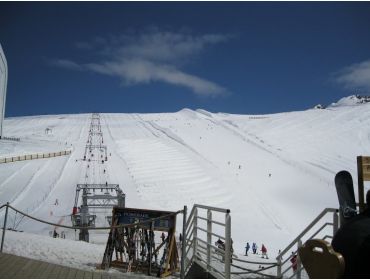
3 85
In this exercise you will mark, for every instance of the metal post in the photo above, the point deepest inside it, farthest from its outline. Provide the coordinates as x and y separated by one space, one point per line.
4 227
150 248
335 222
183 244
299 264
209 238
227 244
279 276
195 224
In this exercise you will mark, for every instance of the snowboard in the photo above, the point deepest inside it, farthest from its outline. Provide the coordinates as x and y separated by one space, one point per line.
346 194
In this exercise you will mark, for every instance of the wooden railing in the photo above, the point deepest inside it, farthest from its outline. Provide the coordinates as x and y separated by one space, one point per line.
34 156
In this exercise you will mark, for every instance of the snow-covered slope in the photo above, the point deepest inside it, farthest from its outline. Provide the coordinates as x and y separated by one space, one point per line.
275 172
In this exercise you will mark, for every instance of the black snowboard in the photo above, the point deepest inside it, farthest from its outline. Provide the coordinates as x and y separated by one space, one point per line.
346 194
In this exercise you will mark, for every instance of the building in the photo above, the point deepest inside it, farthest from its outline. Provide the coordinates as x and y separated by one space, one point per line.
3 84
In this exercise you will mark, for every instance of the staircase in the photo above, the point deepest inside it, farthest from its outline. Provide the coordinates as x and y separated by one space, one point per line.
204 258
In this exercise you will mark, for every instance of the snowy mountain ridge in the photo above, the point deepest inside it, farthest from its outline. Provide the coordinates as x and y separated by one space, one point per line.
351 101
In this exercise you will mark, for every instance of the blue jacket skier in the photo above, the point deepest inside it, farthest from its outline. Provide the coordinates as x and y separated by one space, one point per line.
247 248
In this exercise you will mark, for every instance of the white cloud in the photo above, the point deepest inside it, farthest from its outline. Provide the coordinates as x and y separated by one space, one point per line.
154 56
355 76
66 63
141 71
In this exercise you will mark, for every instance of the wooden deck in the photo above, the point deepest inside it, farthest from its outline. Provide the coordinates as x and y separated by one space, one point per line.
12 266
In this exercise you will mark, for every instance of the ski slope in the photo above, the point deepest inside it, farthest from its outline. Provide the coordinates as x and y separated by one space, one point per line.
274 172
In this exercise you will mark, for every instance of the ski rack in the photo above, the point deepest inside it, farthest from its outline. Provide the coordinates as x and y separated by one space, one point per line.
135 247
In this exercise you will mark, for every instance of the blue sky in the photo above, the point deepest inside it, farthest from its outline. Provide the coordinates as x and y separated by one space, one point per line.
239 57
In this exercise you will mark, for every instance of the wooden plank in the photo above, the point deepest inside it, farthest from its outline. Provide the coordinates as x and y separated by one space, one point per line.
63 272
88 275
365 160
4 258
72 273
23 268
80 274
44 274
366 168
97 275
23 272
5 264
13 267
54 272
366 176
37 272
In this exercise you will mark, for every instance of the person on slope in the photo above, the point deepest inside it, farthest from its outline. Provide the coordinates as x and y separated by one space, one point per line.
254 248
247 248
264 251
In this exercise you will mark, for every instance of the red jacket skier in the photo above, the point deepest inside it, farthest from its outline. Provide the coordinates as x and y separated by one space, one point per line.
264 251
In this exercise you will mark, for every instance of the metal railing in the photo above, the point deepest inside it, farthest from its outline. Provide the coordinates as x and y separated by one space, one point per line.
34 156
199 233
322 226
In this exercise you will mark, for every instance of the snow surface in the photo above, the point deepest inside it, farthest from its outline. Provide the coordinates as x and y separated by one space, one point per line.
168 160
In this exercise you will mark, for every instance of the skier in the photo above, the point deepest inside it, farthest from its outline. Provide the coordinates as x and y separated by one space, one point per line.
55 234
264 251
221 248
163 236
247 249
293 260
254 248
56 202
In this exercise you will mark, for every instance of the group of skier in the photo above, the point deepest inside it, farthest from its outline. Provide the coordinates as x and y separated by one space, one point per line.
254 249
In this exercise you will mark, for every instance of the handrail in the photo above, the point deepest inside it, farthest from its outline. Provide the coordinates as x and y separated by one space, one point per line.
251 271
303 236
212 221
320 229
191 216
222 210
252 262
322 214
